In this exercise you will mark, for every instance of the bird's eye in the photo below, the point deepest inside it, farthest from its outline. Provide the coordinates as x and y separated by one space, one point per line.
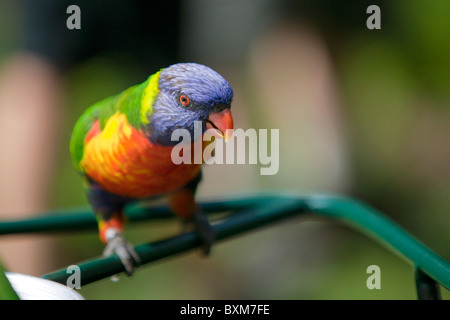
184 99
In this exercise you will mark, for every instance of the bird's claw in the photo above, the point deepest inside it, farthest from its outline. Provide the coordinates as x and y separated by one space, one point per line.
203 227
117 244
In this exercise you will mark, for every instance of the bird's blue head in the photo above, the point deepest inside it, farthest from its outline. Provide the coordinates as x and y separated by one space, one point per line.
190 92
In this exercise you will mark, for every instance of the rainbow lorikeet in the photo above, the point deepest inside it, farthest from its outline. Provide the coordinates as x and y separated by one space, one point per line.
122 147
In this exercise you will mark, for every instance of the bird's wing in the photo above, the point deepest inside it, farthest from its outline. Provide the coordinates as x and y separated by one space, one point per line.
93 119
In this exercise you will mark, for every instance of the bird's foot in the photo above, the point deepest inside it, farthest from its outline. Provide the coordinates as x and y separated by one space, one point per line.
201 225
116 243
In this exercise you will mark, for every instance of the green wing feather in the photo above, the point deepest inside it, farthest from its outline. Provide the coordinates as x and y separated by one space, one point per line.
135 102
100 111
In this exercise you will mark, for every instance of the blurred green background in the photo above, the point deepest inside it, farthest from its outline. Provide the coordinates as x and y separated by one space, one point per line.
365 113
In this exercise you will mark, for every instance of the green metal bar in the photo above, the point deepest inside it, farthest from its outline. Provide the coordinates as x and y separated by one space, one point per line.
83 218
250 211
100 268
427 288
375 224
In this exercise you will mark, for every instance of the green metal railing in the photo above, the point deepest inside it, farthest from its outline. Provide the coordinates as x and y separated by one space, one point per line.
246 213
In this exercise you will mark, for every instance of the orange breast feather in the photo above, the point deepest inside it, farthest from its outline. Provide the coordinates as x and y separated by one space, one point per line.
122 160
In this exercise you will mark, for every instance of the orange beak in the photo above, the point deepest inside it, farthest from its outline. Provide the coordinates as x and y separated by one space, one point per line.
221 124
